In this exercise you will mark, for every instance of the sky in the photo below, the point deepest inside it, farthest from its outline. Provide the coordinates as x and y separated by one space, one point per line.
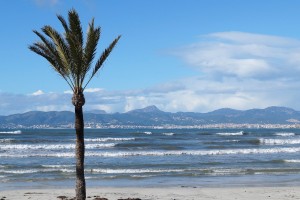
180 55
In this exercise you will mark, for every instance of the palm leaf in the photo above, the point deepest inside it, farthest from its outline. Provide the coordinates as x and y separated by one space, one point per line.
93 36
102 58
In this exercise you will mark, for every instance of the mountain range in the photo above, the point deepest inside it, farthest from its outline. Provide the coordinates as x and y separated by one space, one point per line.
152 116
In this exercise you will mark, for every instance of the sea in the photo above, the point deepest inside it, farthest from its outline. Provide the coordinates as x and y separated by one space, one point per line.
43 158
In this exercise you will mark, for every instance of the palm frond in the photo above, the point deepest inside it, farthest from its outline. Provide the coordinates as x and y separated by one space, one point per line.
75 41
42 50
61 47
102 58
93 36
63 22
68 54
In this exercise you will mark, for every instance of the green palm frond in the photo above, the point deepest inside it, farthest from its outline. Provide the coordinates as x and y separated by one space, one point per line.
102 58
66 52
75 40
63 22
42 49
61 46
93 36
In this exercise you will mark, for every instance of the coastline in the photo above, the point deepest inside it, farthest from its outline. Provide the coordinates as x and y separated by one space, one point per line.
161 193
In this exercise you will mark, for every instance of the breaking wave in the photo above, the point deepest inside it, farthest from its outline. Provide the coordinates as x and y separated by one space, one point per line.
168 134
11 132
231 134
164 153
107 139
279 141
53 147
285 134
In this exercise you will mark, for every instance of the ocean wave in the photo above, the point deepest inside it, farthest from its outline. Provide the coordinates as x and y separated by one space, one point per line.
8 140
279 141
11 132
148 132
285 134
107 139
292 161
135 171
176 153
163 153
231 133
53 146
23 171
168 134
57 166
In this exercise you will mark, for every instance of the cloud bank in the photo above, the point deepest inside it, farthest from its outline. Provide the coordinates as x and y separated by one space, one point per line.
232 69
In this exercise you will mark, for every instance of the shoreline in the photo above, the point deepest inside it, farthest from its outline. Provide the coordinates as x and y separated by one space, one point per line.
161 193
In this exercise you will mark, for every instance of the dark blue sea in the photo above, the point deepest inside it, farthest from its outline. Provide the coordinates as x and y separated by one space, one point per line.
151 157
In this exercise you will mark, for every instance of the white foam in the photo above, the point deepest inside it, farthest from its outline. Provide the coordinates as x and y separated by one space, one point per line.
53 146
68 170
164 153
148 132
135 171
11 132
279 141
8 140
231 133
292 161
57 166
24 171
218 172
285 134
107 139
168 134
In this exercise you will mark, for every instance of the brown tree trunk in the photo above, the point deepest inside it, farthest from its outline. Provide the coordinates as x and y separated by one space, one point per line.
80 180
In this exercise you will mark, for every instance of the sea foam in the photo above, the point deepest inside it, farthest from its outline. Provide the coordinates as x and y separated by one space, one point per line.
231 134
107 139
279 141
53 146
11 132
285 134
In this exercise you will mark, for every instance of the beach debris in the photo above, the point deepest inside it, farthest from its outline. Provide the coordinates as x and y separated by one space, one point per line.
131 199
66 198
99 198
62 197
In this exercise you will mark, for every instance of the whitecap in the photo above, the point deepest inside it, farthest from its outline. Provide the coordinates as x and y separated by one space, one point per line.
285 134
168 134
279 141
231 133
107 139
164 153
148 132
135 171
11 132
53 146
292 161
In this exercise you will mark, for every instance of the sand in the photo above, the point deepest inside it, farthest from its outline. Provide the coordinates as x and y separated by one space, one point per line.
168 193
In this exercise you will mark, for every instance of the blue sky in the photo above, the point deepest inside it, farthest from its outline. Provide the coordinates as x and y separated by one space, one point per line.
193 55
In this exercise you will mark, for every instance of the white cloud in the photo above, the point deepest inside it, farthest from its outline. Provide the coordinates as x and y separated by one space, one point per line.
39 92
233 69
243 55
93 90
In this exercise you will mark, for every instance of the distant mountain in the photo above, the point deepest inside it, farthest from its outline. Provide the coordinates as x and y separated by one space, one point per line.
152 116
96 111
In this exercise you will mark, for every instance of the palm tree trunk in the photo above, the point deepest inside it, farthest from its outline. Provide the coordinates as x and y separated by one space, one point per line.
80 180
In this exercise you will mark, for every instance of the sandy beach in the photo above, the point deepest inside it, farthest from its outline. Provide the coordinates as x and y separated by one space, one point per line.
168 193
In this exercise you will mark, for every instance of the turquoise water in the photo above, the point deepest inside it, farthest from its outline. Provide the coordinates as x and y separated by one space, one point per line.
129 157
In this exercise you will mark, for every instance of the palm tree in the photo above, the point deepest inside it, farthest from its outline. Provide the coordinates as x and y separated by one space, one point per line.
72 58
